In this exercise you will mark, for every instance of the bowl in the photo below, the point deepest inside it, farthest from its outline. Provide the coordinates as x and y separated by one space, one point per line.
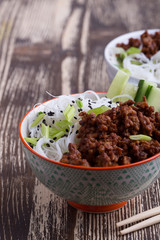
111 68
98 189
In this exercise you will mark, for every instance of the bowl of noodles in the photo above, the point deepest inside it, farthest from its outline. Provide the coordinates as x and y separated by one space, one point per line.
49 133
138 52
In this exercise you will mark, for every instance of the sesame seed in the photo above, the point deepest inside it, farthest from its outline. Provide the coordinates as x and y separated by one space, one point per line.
67 130
47 145
53 121
110 102
109 106
51 141
80 110
75 117
72 126
61 111
90 107
54 138
77 132
50 113
117 102
73 101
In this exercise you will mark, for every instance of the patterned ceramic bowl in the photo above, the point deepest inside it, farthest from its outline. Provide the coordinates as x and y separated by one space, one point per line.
98 189
108 54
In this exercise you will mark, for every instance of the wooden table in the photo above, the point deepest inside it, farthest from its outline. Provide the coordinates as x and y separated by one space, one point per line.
58 46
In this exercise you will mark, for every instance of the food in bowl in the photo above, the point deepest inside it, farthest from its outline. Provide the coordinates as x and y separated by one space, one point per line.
95 133
91 189
138 52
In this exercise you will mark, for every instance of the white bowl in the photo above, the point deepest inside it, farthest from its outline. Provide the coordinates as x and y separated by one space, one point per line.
111 68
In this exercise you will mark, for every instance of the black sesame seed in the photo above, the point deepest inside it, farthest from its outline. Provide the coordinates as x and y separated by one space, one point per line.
110 102
54 138
90 107
71 105
73 101
75 118
109 106
51 141
67 130
47 144
65 135
80 110
117 102
50 113
77 132
61 111
53 121
72 126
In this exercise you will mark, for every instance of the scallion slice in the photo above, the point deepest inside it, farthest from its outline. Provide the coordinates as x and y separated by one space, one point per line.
136 62
45 130
63 124
99 110
33 141
133 50
38 119
59 135
140 137
79 103
69 112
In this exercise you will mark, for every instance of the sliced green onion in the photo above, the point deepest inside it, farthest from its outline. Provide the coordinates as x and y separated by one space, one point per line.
63 124
136 62
53 131
45 130
99 110
38 119
59 135
69 112
33 141
140 137
133 50
79 103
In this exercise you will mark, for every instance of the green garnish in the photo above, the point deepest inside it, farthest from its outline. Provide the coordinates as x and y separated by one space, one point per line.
38 119
79 103
69 112
33 141
59 135
133 50
45 130
136 62
63 124
140 137
99 110
53 131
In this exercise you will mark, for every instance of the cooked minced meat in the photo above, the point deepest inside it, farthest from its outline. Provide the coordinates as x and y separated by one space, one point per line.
104 139
150 43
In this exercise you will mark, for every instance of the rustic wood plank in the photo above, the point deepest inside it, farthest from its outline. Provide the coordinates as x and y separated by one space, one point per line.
57 46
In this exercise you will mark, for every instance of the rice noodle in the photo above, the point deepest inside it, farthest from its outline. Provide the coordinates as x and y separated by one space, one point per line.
148 70
90 99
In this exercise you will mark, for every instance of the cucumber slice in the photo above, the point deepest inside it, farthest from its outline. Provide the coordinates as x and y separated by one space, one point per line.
153 98
118 84
142 88
131 90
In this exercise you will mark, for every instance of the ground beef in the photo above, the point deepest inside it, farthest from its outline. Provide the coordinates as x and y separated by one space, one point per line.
150 43
104 139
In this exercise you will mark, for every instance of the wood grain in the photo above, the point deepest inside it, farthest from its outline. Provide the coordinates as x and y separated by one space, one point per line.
57 46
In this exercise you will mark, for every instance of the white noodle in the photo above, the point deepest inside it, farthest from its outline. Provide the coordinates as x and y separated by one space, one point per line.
90 99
